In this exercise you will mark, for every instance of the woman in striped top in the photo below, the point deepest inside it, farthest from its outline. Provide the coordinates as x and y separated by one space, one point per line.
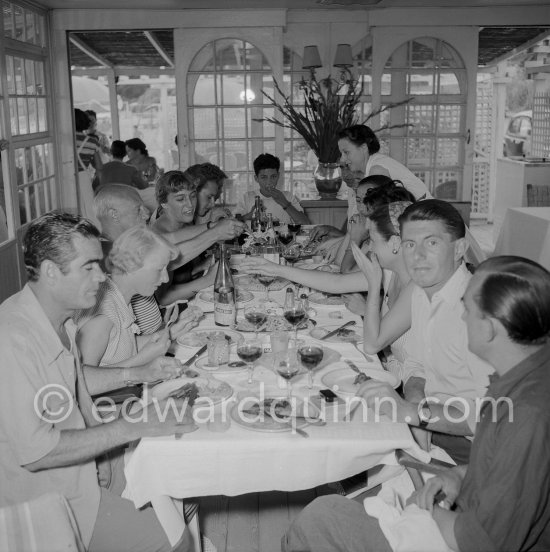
107 332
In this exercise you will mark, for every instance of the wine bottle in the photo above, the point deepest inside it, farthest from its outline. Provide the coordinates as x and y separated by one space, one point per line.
256 222
225 307
271 250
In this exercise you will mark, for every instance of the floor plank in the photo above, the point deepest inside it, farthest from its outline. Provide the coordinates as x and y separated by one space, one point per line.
242 524
214 511
273 520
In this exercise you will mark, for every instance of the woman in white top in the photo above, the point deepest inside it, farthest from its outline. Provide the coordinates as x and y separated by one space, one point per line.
107 333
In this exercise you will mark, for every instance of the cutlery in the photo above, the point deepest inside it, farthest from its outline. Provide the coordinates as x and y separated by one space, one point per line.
334 332
190 361
289 424
352 365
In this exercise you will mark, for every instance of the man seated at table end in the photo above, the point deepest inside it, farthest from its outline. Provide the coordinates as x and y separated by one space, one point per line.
499 500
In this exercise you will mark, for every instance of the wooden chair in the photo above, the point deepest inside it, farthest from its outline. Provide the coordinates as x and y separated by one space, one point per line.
415 468
538 195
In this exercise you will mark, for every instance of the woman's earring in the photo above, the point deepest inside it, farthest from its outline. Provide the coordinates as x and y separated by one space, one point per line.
395 251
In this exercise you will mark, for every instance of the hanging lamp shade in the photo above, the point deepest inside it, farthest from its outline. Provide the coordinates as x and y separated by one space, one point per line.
311 58
344 57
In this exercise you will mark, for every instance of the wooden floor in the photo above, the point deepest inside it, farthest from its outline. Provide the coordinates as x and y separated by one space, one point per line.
253 522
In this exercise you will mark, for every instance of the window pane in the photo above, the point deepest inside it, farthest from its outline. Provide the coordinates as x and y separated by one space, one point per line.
42 119
31 35
19 22
19 75
233 89
386 84
449 118
234 123
419 151
229 55
235 156
205 91
420 83
426 177
33 115
262 129
447 151
208 151
9 31
24 206
39 76
29 77
448 83
255 60
446 186
423 52
13 116
204 122
10 74
422 119
22 113
204 60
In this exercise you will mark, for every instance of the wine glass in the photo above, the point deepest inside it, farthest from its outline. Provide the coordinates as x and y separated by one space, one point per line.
285 237
256 316
292 253
295 315
287 370
266 280
294 228
249 352
310 357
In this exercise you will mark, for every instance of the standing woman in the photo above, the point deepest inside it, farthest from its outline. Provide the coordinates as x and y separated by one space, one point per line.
88 160
360 151
139 157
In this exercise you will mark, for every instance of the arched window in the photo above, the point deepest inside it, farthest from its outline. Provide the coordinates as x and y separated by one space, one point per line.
432 74
225 100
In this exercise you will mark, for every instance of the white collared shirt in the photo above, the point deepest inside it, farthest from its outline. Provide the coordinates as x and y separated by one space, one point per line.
438 346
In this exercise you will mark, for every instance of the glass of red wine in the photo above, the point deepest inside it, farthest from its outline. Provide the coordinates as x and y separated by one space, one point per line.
287 369
292 253
310 356
295 315
256 316
285 237
250 352
294 228
266 281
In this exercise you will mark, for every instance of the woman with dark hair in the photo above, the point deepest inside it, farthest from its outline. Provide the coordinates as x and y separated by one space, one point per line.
88 156
139 157
360 151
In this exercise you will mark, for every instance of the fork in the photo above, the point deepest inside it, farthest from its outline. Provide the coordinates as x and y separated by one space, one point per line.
352 365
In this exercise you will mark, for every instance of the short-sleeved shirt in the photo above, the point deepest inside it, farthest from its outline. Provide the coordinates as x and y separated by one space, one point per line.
438 347
504 502
247 203
87 145
33 357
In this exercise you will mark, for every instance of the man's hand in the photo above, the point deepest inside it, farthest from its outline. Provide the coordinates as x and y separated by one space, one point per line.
383 399
162 368
277 195
163 417
448 483
323 232
157 345
227 229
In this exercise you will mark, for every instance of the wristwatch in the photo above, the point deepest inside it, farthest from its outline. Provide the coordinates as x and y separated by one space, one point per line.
208 225
424 414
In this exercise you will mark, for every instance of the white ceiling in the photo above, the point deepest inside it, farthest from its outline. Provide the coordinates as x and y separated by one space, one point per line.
274 4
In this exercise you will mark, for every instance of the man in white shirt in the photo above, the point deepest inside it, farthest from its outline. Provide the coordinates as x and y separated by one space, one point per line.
282 205
442 378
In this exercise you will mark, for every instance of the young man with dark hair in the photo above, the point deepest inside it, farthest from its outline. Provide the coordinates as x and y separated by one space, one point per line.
282 205
118 172
499 499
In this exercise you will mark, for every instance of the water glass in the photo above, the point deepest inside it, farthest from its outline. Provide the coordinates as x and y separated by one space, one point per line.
279 342
217 348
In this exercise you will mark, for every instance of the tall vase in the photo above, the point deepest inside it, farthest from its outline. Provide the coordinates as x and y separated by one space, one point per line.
328 179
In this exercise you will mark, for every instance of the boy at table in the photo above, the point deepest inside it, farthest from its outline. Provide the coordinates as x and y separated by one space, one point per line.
50 433
282 205
501 497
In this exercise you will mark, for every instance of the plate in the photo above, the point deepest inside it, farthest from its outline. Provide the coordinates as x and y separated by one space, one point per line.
202 363
341 380
242 296
250 283
318 298
249 415
198 337
275 322
212 391
349 337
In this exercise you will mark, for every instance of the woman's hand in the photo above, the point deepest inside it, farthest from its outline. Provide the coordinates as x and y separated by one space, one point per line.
369 267
187 320
259 265
357 229
157 345
323 232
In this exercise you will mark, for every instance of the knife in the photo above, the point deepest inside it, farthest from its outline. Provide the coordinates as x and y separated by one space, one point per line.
190 361
334 332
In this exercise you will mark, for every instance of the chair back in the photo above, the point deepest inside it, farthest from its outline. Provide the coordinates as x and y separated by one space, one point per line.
538 195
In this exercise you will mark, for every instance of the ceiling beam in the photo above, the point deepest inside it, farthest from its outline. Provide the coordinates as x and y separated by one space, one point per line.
158 47
89 52
518 49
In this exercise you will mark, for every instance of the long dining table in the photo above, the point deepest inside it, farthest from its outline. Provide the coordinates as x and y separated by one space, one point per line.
235 459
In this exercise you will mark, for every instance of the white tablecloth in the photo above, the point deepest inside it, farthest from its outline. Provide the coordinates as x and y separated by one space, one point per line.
525 232
240 461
